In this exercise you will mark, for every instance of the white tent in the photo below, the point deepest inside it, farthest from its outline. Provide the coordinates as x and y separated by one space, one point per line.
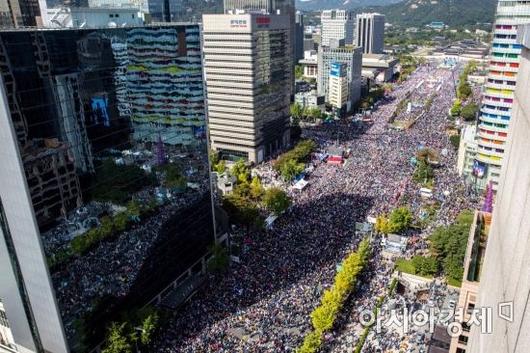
301 184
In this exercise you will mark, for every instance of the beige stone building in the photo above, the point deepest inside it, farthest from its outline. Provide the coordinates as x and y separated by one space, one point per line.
247 64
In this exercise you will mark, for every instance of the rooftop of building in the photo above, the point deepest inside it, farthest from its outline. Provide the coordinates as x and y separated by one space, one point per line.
379 60
49 29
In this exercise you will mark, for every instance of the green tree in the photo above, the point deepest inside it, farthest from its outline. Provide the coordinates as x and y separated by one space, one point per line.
296 111
121 221
456 109
241 171
133 209
382 225
256 189
400 219
469 112
298 72
455 141
214 157
423 173
241 210
149 327
312 343
448 245
117 339
464 90
220 167
220 259
291 169
276 200
425 266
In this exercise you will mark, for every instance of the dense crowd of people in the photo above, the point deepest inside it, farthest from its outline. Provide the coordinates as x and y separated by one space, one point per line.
263 303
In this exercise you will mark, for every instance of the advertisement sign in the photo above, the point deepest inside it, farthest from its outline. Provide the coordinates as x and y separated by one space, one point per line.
238 23
479 169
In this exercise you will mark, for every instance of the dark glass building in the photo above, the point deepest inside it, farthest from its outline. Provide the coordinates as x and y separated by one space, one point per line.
106 193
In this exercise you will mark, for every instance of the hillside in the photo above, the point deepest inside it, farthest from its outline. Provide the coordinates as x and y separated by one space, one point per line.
451 12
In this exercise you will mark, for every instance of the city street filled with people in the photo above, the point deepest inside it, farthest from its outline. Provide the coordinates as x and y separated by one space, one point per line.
262 304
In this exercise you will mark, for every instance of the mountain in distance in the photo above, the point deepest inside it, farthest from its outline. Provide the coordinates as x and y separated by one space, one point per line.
317 5
452 12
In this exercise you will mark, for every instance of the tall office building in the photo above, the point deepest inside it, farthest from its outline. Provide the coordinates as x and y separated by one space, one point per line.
285 7
281 7
498 97
338 85
370 32
19 13
10 15
506 267
337 25
352 58
248 74
105 195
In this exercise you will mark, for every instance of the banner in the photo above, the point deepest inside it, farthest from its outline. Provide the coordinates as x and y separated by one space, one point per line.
479 169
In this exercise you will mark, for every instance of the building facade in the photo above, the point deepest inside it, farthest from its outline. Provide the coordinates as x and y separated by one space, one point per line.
248 82
310 64
90 207
498 97
350 56
268 6
467 150
504 284
93 17
338 86
309 100
337 25
370 32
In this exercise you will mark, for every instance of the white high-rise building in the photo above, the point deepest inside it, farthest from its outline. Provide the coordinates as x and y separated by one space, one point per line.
498 97
247 61
338 85
370 32
337 25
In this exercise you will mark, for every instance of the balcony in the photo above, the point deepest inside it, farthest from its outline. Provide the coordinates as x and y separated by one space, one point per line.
506 50
505 31
502 144
499 94
508 11
492 119
501 86
505 67
504 41
496 161
493 128
492 136
497 103
490 153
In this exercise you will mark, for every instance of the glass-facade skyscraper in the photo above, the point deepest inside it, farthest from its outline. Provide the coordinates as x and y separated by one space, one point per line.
105 197
498 97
